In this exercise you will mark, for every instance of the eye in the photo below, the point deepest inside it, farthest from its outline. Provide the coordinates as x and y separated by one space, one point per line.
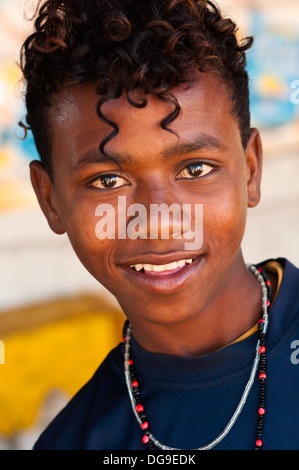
108 182
196 170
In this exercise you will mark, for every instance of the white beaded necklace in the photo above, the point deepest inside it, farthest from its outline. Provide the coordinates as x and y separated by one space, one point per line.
132 386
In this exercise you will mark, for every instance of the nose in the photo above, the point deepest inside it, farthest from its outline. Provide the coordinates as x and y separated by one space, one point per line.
159 212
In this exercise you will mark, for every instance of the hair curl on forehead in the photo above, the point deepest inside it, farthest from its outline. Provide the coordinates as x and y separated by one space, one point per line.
124 45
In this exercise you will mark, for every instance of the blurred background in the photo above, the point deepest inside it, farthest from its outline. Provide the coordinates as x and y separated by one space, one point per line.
56 322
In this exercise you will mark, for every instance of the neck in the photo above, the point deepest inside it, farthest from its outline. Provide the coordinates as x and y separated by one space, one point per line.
235 310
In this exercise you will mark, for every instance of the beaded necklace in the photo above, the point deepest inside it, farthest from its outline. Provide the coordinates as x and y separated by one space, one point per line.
259 363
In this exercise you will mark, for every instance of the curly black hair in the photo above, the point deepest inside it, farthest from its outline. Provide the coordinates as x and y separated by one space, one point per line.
122 45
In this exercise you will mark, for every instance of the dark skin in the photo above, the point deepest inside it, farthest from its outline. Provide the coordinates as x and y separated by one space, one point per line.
214 300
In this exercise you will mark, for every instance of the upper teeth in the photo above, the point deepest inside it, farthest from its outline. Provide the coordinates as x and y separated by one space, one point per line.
162 267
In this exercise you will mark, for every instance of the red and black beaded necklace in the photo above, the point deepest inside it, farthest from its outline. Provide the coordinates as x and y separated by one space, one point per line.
259 364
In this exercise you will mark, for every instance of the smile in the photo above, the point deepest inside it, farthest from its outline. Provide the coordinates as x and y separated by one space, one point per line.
166 278
162 269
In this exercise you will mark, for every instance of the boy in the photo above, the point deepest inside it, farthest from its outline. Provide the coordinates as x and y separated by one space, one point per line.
147 102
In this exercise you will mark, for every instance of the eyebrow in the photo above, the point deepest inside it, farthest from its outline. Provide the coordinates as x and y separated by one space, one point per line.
93 157
202 142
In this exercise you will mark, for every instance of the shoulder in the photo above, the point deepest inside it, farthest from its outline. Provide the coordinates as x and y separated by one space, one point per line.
284 313
69 429
283 331
287 272
289 287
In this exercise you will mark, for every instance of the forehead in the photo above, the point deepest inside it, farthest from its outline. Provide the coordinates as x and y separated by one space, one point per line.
206 108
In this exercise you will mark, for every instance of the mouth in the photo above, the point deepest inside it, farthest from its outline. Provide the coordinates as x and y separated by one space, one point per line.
163 278
162 269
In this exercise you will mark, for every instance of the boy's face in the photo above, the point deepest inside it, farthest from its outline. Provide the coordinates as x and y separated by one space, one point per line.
211 169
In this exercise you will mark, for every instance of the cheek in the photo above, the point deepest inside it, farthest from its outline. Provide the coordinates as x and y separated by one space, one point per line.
96 255
80 222
225 218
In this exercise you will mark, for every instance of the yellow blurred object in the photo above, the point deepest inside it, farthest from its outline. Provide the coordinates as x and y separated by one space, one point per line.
6 158
16 194
15 190
269 85
10 79
56 355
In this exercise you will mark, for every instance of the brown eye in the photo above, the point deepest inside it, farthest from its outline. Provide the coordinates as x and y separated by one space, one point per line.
108 182
196 170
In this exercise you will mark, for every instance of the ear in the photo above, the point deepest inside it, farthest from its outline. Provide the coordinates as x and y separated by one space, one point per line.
254 161
43 187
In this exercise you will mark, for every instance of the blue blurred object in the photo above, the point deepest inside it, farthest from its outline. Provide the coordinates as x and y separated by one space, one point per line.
28 148
273 65
12 135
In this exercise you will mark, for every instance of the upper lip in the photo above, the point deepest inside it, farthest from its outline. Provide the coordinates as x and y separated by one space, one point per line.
159 258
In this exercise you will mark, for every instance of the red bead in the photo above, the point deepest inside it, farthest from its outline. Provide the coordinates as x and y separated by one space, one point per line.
262 376
262 349
145 439
262 411
139 408
268 303
124 339
135 383
260 270
144 425
130 362
259 443
261 321
268 283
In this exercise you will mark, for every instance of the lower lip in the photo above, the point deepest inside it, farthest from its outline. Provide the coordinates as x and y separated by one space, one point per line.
165 282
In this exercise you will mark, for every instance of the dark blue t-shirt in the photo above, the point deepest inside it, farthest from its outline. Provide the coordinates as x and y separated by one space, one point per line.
189 401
